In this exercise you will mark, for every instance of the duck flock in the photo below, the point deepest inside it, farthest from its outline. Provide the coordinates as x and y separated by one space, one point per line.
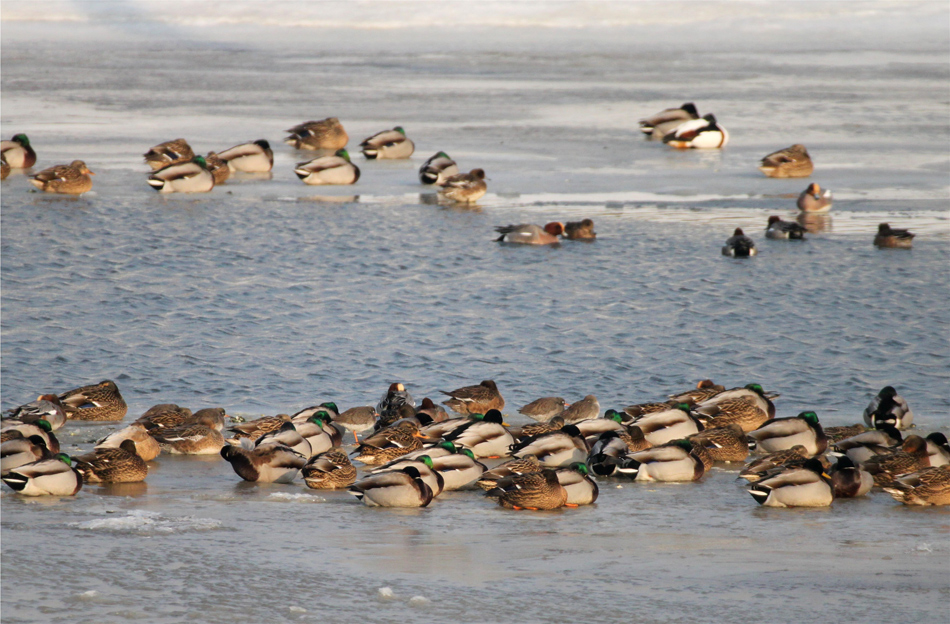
177 169
410 454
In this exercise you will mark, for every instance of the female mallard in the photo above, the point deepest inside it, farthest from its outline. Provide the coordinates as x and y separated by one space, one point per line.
71 179
288 436
113 465
544 409
814 200
336 169
675 461
388 144
703 133
326 134
752 392
776 229
760 468
17 152
464 188
387 444
437 169
146 446
267 463
516 466
850 481
671 424
911 457
47 477
580 230
888 408
100 401
46 407
576 481
843 432
486 438
739 245
555 449
190 440
459 470
219 168
330 470
791 162
585 409
185 177
424 464
403 488
667 120
784 433
893 238
14 429
530 234
20 451
863 446
254 429
534 491
256 157
808 486
725 444
165 416
704 391
168 153
930 486
475 399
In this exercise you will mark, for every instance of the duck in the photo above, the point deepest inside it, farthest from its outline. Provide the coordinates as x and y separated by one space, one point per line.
842 432
666 120
436 412
911 457
101 401
475 399
183 177
387 444
330 412
862 447
422 463
146 446
585 409
534 491
256 428
536 429
486 438
314 432
704 390
394 398
388 144
776 229
113 465
739 245
762 467
288 436
168 153
254 157
169 416
17 152
888 408
702 133
464 188
671 424
459 470
71 179
219 168
191 439
580 230
593 428
754 392
893 238
790 162
607 451
849 480
544 409
672 462
328 170
357 419
724 444
14 429
267 463
740 410
54 476
530 234
633 412
808 486
938 449
576 481
330 470
326 134
402 488
516 466
438 430
783 433
22 450
930 486
814 200
556 449
437 169
5 168
47 407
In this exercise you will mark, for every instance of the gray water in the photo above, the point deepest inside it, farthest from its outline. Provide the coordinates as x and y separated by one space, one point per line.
267 296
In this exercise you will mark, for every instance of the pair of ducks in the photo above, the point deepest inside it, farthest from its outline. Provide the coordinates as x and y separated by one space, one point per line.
530 234
683 128
72 179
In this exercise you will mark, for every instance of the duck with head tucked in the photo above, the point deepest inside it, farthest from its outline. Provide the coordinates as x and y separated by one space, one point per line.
780 434
401 488
388 144
329 470
17 153
888 408
930 486
739 245
791 162
464 188
184 177
703 133
113 465
326 134
54 476
267 463
100 401
893 237
71 179
168 153
254 157
219 168
658 125
808 486
46 407
437 169
328 170
776 229
534 490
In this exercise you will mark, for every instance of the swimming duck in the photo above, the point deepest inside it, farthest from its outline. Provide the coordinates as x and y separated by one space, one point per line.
576 481
47 407
168 153
580 230
254 429
459 470
814 200
675 461
330 470
671 424
850 481
336 169
783 433
146 446
464 188
189 440
486 438
17 152
863 446
911 457
267 463
22 450
288 436
219 168
437 169
14 429
256 157
387 444
534 491
516 466
100 401
475 399
422 463
396 396
888 408
791 162
893 238
703 133
667 120
530 234
113 465
389 144
71 179
776 229
739 245
762 467
843 432
54 476
808 486
183 177
704 391
326 134
357 419
586 408
404 488
555 449
725 444
930 486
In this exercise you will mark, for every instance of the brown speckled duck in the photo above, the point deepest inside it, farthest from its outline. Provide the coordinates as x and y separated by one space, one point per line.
475 399
168 153
534 491
930 486
219 168
791 162
71 179
326 134
725 444
330 470
267 463
387 444
101 401
464 188
911 457
146 446
113 465
516 466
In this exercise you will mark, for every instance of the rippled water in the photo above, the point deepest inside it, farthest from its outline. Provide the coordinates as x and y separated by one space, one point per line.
266 296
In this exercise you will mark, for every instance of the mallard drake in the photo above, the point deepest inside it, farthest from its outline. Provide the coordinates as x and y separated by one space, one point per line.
330 170
555 449
13 429
888 408
330 470
357 419
387 444
464 188
168 153
437 169
783 433
314 432
580 230
893 238
791 162
585 409
101 401
576 481
534 491
404 488
593 428
704 391
850 481
608 450
46 407
388 144
394 398
930 486
814 200
254 429
17 152
326 134
836 434
267 463
863 446
113 465
184 177
758 469
219 168
808 486
938 449
724 444
20 451
675 461
440 429
189 440
544 409
911 457
71 179
776 229
146 446
486 438
436 412
516 466
672 424
703 133
459 470
54 476
744 410
475 399
739 245
659 124
288 436
439 449
256 157
632 412
422 463
530 234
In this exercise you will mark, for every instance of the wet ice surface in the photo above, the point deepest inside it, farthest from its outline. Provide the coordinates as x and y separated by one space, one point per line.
266 296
